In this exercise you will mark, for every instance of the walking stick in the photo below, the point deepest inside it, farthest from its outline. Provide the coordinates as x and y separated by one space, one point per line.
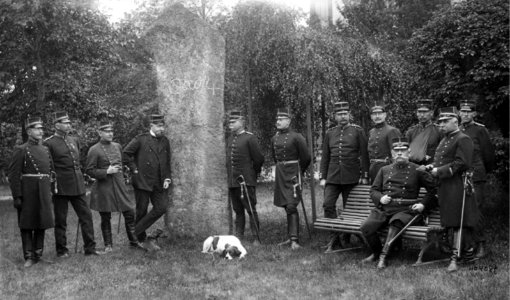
297 184
404 229
242 183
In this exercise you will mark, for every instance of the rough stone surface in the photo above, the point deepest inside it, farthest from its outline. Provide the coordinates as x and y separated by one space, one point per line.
190 64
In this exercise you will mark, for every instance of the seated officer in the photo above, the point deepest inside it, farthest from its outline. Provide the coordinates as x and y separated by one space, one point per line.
394 193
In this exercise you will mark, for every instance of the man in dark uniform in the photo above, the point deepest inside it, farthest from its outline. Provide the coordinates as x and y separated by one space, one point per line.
30 174
148 156
110 193
483 163
243 159
452 165
379 140
425 136
65 151
291 157
394 193
344 164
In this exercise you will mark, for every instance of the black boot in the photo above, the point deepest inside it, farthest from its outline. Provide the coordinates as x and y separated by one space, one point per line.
28 247
452 267
240 224
106 230
392 232
255 228
374 243
129 222
293 229
38 242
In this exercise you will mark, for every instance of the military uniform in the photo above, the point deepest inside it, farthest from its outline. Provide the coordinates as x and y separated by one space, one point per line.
245 159
402 182
30 172
379 147
110 193
149 158
344 161
483 163
452 160
65 151
291 157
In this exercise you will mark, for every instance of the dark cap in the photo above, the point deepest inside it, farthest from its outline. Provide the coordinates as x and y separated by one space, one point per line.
377 107
157 119
283 113
33 122
105 125
424 105
235 115
448 113
341 106
61 116
399 143
467 105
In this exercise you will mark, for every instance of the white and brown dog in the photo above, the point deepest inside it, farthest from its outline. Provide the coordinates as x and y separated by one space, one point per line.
228 246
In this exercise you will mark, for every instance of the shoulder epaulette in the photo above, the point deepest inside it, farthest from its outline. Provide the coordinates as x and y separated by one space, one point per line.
356 126
479 124
332 128
247 132
49 138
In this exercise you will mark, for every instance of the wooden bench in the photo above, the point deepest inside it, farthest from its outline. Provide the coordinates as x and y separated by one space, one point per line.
357 209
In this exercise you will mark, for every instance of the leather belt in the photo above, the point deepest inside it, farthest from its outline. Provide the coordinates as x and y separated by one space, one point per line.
374 160
403 201
286 162
35 175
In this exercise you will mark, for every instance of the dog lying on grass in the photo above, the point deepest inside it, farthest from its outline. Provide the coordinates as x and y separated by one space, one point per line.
228 246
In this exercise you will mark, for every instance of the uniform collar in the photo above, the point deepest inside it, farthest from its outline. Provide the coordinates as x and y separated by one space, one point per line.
380 125
423 125
32 141
345 126
240 132
465 125
453 132
60 133
286 130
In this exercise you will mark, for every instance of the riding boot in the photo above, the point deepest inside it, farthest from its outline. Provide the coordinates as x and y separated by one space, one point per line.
255 227
452 267
106 229
293 230
392 232
129 222
240 224
28 247
38 242
374 243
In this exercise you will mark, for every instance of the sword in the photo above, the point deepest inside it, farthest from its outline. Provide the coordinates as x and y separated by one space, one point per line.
297 185
242 183
467 184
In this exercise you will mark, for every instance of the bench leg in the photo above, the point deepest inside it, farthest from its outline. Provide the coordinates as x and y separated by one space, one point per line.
426 246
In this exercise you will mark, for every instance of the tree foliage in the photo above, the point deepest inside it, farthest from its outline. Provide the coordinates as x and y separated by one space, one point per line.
463 51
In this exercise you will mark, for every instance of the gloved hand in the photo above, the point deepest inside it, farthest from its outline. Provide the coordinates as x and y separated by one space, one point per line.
17 202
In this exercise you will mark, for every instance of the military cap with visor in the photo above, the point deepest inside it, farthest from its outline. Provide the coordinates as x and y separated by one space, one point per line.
341 106
448 113
399 143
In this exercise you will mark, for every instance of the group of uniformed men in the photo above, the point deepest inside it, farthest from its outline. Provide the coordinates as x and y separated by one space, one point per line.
45 176
443 158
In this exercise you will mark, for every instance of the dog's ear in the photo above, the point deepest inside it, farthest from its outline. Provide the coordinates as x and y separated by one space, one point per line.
234 251
215 242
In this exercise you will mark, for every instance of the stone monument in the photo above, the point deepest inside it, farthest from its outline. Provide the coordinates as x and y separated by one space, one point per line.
190 63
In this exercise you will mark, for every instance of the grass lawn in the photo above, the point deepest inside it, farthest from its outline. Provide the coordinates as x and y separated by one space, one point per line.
181 271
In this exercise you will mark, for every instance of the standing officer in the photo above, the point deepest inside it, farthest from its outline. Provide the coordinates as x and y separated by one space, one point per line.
30 174
425 136
394 192
379 140
243 159
292 158
104 163
65 151
344 161
148 157
483 163
452 163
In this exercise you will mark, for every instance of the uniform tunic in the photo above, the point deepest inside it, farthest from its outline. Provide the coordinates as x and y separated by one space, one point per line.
291 157
65 151
243 158
28 160
402 182
419 135
344 155
453 157
379 146
109 192
483 154
151 157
